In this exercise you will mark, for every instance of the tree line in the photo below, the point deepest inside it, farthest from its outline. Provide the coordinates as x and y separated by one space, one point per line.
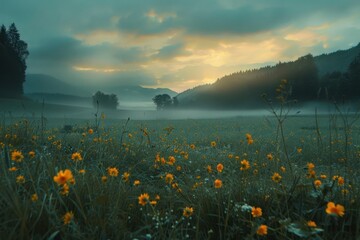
244 89
13 54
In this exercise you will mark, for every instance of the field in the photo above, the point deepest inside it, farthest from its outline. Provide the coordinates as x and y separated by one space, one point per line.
246 177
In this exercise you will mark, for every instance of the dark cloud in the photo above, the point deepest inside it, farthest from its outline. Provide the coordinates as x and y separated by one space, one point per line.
171 51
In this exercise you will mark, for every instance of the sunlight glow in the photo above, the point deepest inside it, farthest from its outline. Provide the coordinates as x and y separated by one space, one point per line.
102 70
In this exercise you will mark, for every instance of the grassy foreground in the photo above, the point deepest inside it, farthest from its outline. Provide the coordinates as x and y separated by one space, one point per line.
237 178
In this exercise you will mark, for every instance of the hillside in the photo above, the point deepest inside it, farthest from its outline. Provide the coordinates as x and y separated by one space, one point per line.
306 76
336 61
41 83
40 86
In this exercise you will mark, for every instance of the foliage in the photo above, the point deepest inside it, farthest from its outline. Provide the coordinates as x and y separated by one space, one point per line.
163 101
243 89
102 100
13 54
342 85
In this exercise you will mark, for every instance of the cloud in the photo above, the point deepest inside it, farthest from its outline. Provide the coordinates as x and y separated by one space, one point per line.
177 44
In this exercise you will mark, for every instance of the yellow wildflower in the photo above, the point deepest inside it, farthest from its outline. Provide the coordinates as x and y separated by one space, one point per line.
256 212
188 211
220 167
113 171
217 183
68 217
17 156
276 177
76 156
143 199
63 177
336 210
262 230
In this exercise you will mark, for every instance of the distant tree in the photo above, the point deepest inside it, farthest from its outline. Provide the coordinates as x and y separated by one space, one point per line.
175 101
13 54
109 101
354 76
162 101
12 62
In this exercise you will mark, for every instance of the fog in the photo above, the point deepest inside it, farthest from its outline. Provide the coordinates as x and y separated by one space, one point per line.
71 112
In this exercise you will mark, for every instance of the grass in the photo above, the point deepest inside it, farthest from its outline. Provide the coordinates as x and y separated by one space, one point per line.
176 163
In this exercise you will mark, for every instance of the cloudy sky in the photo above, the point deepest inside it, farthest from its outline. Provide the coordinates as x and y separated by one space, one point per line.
175 44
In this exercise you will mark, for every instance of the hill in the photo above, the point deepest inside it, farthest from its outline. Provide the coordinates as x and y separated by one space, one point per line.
53 90
41 83
306 77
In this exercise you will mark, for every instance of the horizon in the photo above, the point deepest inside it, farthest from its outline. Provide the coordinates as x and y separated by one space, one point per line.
164 45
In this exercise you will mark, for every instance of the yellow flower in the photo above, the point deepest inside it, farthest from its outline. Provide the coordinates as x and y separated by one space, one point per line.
213 144
209 169
76 156
218 183
82 171
104 179
276 177
31 154
143 199
34 197
262 230
336 210
310 166
16 156
90 131
269 156
317 183
178 168
113 171
188 211
311 224
157 197
169 178
299 150
125 176
171 160
192 146
283 169
249 139
13 169
20 179
136 182
153 203
256 212
220 167
244 165
323 176
341 181
68 217
63 177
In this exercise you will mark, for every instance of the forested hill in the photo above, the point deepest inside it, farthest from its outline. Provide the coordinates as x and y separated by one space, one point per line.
307 77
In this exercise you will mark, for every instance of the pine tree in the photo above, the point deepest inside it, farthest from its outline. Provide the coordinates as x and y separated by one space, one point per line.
13 54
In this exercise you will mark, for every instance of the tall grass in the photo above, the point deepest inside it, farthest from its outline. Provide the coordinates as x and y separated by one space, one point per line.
105 205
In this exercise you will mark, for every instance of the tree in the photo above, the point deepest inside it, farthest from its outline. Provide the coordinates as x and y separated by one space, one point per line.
109 101
354 76
162 101
13 54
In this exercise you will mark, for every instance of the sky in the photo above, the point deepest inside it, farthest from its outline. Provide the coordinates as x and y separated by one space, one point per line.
174 44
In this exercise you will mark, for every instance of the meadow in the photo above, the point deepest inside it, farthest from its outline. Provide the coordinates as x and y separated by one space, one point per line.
273 176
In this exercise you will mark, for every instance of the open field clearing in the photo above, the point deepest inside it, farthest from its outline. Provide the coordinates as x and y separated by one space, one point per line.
240 177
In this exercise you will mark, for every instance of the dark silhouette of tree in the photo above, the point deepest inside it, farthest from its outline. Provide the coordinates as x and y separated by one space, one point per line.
162 101
354 76
13 54
107 101
175 101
